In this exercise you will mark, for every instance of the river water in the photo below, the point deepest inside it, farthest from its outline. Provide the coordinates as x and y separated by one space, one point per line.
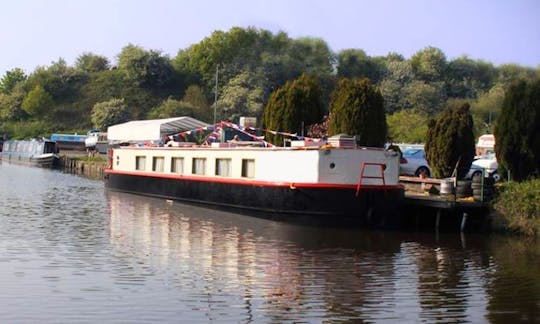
73 252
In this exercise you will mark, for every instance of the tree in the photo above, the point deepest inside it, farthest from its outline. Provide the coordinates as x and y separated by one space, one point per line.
394 85
486 108
107 113
37 102
11 105
465 78
425 97
147 69
91 63
508 73
355 63
195 96
450 141
242 96
517 144
274 59
293 107
357 108
407 126
174 108
102 86
429 64
11 79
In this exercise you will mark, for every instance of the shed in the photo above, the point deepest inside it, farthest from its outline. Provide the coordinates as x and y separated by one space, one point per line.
152 129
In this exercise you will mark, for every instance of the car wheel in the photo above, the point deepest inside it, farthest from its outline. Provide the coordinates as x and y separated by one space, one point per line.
496 177
422 170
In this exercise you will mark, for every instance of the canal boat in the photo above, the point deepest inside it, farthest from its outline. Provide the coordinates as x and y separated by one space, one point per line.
42 153
331 181
69 141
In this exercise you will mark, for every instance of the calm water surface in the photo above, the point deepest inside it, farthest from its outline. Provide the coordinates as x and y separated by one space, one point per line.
73 252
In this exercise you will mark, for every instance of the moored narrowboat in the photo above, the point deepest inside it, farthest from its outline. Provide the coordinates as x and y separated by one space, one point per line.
42 153
329 183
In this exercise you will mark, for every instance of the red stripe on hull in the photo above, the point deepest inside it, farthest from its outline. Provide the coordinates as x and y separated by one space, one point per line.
250 182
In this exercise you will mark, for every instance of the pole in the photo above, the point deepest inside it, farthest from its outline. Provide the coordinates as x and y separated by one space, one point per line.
463 222
215 93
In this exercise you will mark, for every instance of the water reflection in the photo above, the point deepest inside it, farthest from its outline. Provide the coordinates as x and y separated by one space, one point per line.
282 272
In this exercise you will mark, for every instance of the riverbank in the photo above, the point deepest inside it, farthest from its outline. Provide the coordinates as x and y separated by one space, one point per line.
81 164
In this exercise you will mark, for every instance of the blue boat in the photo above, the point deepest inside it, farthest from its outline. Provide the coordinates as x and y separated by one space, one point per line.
69 141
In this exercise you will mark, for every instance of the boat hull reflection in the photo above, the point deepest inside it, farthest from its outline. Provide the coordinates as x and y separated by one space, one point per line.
286 272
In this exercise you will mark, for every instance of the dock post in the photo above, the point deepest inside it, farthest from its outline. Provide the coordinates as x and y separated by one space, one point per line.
438 219
463 221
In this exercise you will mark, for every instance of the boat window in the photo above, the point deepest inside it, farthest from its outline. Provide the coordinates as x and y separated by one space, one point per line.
177 165
140 163
248 168
49 147
158 163
223 167
199 166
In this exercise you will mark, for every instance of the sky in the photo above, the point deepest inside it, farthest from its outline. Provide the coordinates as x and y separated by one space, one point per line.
38 32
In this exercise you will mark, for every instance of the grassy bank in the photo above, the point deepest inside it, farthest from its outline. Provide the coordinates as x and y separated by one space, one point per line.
517 208
90 159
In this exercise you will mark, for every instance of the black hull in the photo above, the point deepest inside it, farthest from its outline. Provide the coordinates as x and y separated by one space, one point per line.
375 207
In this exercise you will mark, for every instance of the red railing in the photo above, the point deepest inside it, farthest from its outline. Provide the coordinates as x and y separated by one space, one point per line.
362 176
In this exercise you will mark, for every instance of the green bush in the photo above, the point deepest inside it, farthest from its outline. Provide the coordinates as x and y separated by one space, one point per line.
450 141
357 108
517 142
293 107
518 207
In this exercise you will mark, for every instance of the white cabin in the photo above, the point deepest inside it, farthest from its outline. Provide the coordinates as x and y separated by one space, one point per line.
295 165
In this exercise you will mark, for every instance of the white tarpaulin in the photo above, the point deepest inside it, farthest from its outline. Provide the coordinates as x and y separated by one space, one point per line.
152 129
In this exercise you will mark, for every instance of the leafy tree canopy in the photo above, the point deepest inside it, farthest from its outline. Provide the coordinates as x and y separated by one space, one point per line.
92 63
107 113
175 108
407 126
37 102
429 64
242 96
355 63
195 96
147 69
11 79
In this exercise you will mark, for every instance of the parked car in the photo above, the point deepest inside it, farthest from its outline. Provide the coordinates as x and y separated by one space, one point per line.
413 162
485 164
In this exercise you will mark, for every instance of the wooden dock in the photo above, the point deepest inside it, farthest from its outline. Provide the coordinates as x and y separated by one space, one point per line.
427 207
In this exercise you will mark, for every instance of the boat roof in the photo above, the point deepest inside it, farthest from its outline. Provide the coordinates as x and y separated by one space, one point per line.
152 129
